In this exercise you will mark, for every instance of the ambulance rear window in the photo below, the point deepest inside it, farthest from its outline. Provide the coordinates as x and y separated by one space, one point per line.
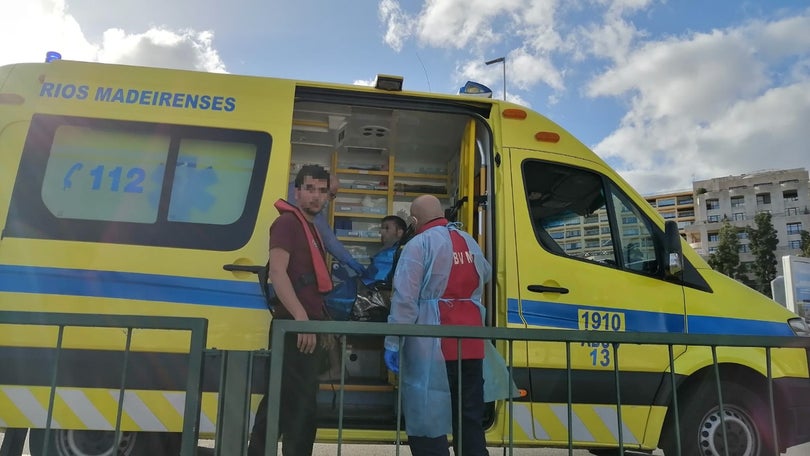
138 183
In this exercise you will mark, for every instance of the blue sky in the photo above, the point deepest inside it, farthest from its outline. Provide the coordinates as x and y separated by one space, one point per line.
666 91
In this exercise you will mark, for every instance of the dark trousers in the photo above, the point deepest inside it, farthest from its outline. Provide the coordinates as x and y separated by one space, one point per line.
297 414
471 438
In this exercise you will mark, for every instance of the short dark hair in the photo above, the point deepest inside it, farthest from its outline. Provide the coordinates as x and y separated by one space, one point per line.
316 172
397 220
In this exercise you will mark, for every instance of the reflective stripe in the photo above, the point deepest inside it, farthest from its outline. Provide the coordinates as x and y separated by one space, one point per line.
78 402
526 422
590 423
96 409
137 410
178 401
579 431
609 417
26 403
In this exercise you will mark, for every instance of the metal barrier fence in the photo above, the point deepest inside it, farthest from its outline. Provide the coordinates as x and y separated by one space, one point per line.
197 327
236 370
511 335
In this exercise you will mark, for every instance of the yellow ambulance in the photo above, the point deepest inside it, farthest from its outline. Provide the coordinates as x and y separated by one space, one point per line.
135 191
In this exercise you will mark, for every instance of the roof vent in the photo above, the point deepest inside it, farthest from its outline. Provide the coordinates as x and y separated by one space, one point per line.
374 131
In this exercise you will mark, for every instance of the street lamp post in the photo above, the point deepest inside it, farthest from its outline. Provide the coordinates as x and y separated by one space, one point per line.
503 61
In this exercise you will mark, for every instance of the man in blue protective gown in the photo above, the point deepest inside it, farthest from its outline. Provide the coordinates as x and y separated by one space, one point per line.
439 279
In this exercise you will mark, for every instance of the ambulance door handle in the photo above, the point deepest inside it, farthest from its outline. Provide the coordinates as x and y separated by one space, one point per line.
243 268
545 289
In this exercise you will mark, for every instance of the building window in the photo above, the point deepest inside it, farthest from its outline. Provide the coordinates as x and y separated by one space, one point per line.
685 200
666 202
712 249
572 233
792 211
790 195
795 245
743 248
629 220
742 235
794 228
739 216
714 218
763 198
669 215
737 201
714 237
712 204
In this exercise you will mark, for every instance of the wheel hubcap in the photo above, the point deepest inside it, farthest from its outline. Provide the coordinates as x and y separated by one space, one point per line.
740 434
93 443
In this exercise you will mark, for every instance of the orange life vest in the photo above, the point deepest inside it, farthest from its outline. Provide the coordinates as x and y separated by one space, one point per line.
322 276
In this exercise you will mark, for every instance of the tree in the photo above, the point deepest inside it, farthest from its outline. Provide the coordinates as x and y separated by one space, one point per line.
805 245
763 242
726 259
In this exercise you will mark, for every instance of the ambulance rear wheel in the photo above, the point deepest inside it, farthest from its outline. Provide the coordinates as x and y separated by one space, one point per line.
68 442
746 417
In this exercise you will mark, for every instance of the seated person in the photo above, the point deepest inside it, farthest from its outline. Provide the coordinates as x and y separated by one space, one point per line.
381 269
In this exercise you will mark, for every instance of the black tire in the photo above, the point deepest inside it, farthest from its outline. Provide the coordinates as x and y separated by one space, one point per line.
65 442
747 423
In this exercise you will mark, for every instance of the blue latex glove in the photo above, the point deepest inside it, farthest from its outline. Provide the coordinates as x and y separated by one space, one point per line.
392 360
356 267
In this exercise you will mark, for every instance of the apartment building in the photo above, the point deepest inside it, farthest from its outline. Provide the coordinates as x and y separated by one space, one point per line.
782 193
677 206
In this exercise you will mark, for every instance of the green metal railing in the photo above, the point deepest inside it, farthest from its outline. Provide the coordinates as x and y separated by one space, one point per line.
510 335
237 370
198 328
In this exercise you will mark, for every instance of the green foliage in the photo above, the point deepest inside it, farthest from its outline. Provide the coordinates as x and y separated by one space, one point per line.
763 242
805 246
727 257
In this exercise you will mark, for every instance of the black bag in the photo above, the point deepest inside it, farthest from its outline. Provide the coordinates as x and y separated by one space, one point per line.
371 304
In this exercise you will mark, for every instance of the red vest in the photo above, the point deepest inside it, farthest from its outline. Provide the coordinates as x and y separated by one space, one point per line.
322 276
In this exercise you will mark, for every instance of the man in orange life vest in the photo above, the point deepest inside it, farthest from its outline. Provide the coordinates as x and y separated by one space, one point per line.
300 277
439 281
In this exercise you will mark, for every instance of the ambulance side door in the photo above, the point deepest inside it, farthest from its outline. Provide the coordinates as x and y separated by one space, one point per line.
589 258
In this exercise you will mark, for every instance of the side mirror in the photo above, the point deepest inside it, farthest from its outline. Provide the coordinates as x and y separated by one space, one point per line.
672 249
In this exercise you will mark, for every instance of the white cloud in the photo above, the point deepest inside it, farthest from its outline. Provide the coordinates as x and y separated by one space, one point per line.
462 23
709 104
525 31
30 28
365 82
398 25
37 26
162 48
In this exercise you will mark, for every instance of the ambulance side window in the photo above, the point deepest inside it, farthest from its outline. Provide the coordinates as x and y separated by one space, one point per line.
123 182
572 217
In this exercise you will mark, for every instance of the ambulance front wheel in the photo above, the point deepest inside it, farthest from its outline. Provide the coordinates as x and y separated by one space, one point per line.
68 442
746 417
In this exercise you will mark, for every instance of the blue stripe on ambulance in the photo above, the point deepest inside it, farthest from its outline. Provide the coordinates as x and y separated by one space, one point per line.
564 316
128 285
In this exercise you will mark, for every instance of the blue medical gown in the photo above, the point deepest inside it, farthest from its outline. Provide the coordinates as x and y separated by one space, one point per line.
381 265
419 282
